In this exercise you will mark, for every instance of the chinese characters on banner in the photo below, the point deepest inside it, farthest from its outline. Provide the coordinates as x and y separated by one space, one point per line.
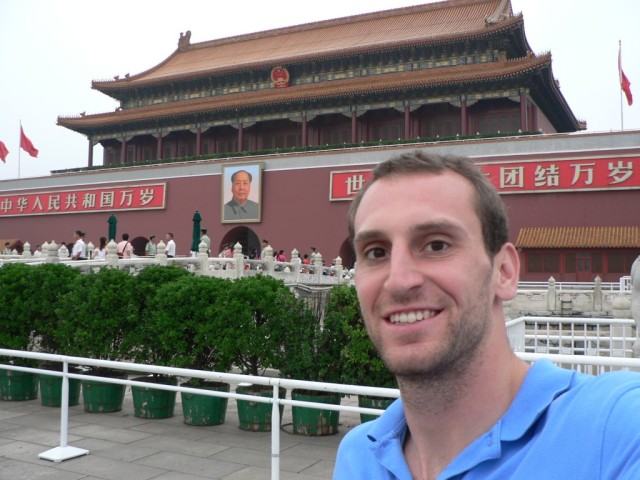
109 199
564 175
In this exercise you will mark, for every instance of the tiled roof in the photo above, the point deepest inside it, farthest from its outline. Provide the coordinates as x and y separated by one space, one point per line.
579 237
431 23
458 75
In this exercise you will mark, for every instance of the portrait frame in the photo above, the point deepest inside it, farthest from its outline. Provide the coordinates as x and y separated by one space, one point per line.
230 210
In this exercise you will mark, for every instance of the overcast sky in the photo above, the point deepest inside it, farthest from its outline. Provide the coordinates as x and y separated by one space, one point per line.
51 50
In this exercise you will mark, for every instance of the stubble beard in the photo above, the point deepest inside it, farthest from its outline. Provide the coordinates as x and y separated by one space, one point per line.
452 360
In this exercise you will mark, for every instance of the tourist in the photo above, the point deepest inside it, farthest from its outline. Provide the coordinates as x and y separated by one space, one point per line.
79 250
125 249
101 251
38 251
434 267
150 247
205 238
171 245
7 248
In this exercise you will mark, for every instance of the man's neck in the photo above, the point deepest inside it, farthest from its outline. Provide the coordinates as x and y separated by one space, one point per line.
444 416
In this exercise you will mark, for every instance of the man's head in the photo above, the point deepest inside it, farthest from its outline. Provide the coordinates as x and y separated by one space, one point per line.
433 264
241 186
168 236
488 205
125 236
203 231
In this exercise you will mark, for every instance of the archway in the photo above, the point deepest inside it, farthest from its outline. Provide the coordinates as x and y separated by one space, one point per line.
246 237
347 254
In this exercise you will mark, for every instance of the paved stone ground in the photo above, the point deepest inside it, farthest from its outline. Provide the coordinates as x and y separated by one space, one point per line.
124 447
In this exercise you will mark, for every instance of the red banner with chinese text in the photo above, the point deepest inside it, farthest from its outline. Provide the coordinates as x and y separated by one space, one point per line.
107 199
563 175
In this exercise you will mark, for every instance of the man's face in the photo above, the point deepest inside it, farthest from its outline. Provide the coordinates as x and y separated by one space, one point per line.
423 277
241 187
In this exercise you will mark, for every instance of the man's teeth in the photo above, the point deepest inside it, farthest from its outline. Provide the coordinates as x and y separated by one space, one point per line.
411 317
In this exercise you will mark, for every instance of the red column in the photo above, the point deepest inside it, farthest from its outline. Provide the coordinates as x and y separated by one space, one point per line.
199 142
90 162
407 122
524 123
464 118
354 127
123 151
305 131
159 153
240 137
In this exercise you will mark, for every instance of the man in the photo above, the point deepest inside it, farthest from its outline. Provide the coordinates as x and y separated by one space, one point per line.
150 247
79 251
171 245
125 249
240 207
205 238
433 269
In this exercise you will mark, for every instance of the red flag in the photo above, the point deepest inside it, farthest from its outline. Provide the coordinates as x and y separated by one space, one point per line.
625 84
26 144
3 151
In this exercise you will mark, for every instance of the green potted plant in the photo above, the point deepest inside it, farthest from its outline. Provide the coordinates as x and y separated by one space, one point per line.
361 364
94 318
16 331
313 353
190 326
264 313
54 280
143 342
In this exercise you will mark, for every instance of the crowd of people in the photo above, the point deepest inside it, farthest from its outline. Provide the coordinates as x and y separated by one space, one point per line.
79 250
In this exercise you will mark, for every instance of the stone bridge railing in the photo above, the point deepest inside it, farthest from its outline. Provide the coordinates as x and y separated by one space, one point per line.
291 272
589 299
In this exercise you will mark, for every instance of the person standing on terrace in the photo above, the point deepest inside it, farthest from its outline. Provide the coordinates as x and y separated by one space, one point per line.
434 267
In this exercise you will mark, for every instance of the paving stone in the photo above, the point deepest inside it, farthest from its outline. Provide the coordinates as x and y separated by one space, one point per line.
190 464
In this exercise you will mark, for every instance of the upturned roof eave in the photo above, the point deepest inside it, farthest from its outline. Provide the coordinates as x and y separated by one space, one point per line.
340 89
114 87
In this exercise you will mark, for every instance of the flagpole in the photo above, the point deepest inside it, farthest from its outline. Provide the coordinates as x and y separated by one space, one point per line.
19 148
620 82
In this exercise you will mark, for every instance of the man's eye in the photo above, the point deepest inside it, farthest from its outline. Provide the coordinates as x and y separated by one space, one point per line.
375 253
437 246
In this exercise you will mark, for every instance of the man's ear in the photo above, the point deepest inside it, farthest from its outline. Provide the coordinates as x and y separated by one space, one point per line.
506 272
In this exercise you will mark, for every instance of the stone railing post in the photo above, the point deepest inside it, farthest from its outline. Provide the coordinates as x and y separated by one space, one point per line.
238 256
338 270
90 248
597 295
268 260
552 304
51 251
26 250
161 253
112 254
203 260
318 264
296 262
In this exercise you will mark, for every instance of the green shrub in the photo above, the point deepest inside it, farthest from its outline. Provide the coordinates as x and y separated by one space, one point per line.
313 349
52 281
360 362
187 325
16 323
96 314
264 313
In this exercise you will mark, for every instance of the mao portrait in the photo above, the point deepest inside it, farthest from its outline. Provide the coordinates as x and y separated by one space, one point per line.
241 192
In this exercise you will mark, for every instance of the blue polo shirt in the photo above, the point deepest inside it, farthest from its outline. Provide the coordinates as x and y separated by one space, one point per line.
561 425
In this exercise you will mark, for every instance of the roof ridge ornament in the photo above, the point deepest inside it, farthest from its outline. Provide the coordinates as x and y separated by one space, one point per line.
185 40
503 11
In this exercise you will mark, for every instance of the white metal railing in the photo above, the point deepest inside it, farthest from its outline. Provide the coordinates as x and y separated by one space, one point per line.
621 285
575 336
64 451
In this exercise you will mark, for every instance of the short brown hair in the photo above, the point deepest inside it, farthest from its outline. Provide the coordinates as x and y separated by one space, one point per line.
488 204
